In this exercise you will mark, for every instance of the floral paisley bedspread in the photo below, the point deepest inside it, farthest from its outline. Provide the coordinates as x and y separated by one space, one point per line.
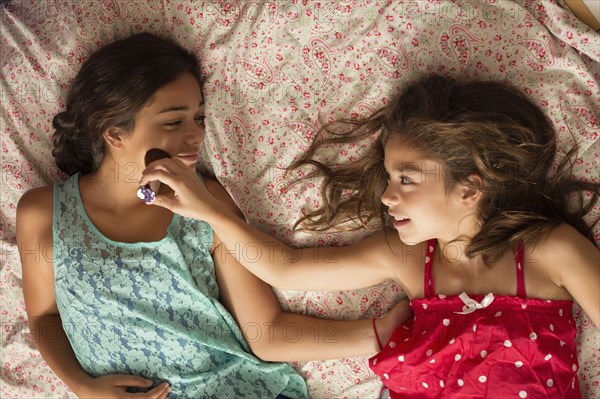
274 71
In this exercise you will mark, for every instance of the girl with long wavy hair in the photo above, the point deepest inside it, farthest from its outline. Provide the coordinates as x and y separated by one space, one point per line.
490 247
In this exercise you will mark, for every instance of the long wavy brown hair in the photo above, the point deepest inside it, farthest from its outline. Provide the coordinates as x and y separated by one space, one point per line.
482 127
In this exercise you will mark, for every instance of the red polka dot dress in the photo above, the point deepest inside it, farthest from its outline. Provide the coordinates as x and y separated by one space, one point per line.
478 346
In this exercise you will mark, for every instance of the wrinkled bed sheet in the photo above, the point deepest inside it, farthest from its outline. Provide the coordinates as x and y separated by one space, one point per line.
274 71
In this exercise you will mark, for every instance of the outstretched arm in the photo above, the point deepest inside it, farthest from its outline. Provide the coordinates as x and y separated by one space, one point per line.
356 266
275 335
575 265
34 239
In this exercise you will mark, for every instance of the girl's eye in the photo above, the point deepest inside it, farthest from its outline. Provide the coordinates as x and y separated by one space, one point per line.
405 180
173 123
200 119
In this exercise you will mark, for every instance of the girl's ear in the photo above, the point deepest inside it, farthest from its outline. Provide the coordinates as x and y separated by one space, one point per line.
471 191
113 137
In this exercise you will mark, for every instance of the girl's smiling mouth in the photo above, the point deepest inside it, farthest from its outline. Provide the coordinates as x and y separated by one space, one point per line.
401 222
189 159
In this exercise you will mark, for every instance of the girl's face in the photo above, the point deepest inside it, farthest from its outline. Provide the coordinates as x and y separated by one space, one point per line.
417 199
173 120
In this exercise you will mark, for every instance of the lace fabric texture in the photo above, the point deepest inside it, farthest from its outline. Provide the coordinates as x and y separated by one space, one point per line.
151 309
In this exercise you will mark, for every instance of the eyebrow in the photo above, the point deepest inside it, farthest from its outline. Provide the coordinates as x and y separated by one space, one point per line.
181 108
407 167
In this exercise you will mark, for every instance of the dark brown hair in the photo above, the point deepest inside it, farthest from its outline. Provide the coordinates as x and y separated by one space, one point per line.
484 128
113 84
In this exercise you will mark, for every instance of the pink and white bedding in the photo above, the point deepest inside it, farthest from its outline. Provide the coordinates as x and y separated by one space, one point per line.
272 68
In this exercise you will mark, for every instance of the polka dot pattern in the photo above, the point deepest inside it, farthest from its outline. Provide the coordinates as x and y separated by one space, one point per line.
533 336
484 350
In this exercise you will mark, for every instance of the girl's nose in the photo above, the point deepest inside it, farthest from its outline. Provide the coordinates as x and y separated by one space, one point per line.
196 133
388 197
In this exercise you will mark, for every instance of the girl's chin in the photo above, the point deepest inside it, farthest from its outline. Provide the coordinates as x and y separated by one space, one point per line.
408 240
411 243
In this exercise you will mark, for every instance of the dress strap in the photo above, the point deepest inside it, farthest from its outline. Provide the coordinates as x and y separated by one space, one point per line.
520 264
429 287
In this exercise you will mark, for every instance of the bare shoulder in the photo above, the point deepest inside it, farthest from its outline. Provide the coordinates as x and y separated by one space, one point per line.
405 262
563 240
573 263
36 197
34 234
35 208
565 246
34 216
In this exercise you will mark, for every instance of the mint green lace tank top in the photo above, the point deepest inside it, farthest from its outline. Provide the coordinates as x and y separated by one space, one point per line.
151 309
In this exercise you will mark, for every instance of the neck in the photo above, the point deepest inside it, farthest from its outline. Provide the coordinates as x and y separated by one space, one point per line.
455 251
453 248
115 184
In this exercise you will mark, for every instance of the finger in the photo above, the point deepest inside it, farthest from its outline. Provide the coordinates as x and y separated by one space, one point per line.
165 164
172 164
132 381
179 163
168 161
160 391
165 201
161 174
